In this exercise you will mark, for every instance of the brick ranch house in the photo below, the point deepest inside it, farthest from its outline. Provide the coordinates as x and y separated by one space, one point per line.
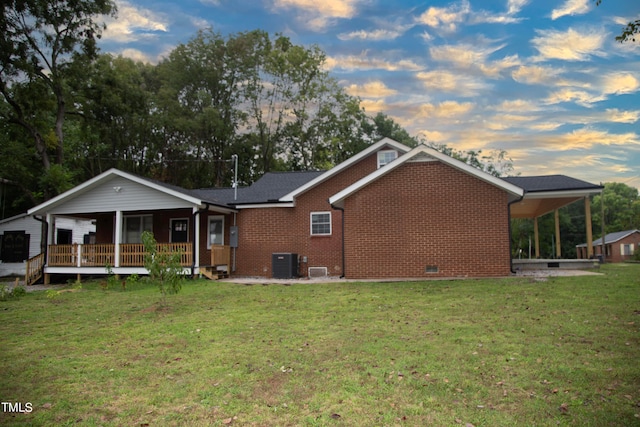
388 212
619 246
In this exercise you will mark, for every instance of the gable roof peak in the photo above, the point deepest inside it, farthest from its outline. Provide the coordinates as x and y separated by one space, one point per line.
344 165
420 152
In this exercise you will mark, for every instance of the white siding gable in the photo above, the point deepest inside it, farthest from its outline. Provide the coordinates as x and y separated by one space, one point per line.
120 194
29 226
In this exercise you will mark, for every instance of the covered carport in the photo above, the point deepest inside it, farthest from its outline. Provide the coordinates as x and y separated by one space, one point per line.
546 194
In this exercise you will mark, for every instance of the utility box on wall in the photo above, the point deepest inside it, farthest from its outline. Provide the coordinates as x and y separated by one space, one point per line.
284 265
233 236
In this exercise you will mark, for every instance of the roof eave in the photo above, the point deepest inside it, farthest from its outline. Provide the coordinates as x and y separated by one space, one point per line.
265 205
577 192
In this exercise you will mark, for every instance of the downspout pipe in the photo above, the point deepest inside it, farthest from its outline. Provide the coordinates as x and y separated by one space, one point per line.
509 220
44 247
196 217
343 256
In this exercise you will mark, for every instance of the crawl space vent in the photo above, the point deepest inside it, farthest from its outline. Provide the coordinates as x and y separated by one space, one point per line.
318 272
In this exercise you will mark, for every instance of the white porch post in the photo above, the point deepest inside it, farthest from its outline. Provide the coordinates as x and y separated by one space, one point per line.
50 230
196 239
117 238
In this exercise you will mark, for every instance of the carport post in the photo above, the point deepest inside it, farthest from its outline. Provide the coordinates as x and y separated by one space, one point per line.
587 214
558 246
536 237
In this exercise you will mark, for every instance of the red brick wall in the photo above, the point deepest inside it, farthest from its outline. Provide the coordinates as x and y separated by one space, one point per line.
427 214
614 253
270 230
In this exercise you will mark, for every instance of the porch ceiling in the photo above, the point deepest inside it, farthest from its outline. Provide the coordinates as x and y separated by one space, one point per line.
535 207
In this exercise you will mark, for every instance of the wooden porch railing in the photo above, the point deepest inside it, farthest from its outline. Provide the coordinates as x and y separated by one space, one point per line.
62 255
220 255
99 255
132 254
35 266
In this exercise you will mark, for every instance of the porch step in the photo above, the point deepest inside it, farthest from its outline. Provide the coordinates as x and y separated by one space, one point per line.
212 273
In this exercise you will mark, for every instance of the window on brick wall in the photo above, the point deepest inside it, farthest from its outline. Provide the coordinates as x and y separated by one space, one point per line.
320 223
386 156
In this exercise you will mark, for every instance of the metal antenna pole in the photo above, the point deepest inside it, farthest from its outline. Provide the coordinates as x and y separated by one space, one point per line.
235 177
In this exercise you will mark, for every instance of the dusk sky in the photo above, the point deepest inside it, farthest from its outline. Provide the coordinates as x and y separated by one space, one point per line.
546 81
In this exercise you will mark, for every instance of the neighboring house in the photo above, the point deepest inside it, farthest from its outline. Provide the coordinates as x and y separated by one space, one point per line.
388 212
20 239
619 246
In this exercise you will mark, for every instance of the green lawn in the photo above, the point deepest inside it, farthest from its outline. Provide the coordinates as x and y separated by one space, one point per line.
499 352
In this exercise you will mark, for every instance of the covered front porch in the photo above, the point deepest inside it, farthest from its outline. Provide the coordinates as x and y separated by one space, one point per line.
123 207
546 195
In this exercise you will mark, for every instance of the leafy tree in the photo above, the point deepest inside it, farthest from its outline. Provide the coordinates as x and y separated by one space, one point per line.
629 32
38 40
286 80
621 208
383 126
345 127
199 104
114 125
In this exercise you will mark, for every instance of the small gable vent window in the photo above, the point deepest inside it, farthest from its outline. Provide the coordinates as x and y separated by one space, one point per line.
386 156
320 223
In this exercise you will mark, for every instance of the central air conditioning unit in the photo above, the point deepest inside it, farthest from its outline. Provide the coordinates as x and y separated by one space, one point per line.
284 265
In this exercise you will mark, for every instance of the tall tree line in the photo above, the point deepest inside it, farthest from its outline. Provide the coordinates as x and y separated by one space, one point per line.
260 97
69 113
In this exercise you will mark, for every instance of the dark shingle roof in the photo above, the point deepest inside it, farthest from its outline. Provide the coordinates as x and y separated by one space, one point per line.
274 185
269 188
550 183
610 238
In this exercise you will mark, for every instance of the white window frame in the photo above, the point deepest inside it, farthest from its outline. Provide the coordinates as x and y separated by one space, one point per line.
382 157
209 220
125 231
323 223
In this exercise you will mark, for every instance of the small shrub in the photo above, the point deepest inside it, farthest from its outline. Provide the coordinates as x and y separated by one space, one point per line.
112 280
7 292
163 266
53 295
18 291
